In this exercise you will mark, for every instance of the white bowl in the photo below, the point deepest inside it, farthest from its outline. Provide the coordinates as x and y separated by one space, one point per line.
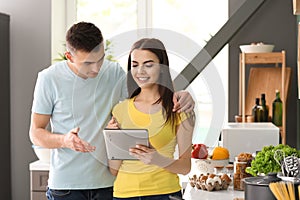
42 153
204 166
257 48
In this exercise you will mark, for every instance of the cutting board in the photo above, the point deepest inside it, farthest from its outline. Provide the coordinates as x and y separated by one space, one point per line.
265 80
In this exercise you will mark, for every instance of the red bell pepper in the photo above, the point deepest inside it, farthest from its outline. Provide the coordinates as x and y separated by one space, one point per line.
199 151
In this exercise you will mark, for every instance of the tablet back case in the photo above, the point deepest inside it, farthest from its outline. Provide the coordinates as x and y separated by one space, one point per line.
118 142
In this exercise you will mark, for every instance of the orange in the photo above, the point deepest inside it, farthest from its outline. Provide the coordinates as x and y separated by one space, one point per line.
220 153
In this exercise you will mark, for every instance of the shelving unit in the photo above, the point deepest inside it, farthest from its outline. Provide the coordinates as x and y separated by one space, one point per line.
264 80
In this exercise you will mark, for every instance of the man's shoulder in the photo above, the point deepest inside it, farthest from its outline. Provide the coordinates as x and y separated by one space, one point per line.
52 69
112 66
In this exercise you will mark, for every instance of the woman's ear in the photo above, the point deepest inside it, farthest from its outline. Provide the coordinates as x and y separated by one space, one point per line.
69 56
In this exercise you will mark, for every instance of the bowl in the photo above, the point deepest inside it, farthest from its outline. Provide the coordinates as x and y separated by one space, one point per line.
42 153
257 48
205 166
248 118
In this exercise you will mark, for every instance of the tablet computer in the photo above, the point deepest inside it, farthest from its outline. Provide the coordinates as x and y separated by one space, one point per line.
118 142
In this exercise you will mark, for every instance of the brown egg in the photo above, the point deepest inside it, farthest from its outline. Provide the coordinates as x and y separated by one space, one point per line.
203 178
209 187
226 178
218 186
211 176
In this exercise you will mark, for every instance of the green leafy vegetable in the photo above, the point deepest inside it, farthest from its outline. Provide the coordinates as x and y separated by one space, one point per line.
264 161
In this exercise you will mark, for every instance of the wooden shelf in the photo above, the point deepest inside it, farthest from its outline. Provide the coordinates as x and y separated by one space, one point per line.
264 80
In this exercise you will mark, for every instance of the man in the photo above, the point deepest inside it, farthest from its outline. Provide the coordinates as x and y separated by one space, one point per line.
76 96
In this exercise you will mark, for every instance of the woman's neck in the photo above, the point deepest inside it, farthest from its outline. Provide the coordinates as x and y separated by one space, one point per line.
146 100
148 95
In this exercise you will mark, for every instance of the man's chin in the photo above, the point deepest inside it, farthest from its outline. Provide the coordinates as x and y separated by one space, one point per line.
92 75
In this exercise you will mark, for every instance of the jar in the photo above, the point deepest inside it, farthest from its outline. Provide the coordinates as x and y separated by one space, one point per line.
219 170
240 166
229 170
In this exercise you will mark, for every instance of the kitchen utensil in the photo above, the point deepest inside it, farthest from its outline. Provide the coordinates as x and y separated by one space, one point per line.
291 166
279 157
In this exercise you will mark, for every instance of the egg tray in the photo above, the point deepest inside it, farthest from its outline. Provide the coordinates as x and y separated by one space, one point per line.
210 182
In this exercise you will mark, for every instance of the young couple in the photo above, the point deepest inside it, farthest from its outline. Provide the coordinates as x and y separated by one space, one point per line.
77 96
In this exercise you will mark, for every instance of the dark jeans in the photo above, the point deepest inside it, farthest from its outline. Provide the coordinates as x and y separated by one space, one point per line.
93 194
172 196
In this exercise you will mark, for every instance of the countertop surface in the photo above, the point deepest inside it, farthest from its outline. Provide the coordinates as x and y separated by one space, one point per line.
39 166
194 194
190 192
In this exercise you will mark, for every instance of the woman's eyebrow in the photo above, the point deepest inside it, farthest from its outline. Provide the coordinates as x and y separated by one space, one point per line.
147 61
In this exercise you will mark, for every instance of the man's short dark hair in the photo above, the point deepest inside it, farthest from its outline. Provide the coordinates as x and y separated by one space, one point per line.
84 36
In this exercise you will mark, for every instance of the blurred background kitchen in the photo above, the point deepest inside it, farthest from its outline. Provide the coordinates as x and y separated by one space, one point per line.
34 35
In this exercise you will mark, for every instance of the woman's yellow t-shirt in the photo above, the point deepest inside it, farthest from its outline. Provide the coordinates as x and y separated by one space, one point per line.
134 177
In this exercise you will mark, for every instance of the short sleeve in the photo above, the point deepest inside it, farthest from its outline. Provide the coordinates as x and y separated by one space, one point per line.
42 98
182 116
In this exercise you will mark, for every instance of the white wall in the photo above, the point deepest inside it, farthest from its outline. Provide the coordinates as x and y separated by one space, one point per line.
30 51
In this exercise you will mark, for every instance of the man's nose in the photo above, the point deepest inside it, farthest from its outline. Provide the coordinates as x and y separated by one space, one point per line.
96 67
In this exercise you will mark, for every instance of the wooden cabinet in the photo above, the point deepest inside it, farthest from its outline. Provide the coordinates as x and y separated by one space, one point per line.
39 175
273 75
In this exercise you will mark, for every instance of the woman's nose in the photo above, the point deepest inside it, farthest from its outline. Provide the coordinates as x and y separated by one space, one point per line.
141 69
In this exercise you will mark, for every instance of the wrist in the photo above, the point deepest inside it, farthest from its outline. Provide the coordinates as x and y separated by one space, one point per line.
162 161
62 141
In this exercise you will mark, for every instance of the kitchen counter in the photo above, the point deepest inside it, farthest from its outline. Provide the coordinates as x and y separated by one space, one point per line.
189 192
39 174
39 166
194 193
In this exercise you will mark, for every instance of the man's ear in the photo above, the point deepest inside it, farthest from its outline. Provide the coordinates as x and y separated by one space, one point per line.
69 56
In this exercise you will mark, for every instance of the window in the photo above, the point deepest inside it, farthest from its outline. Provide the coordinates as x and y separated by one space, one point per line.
184 27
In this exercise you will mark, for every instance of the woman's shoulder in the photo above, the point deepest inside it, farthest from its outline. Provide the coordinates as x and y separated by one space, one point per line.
120 110
122 105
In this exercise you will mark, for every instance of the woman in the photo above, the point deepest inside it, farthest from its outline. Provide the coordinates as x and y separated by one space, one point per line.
154 174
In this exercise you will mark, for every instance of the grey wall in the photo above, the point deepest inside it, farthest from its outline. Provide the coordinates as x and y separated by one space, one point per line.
30 51
273 23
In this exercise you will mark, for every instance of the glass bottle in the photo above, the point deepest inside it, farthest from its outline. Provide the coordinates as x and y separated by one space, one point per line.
255 110
264 109
277 110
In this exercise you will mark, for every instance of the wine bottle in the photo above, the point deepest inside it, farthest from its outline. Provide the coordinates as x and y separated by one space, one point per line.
277 110
255 110
264 109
